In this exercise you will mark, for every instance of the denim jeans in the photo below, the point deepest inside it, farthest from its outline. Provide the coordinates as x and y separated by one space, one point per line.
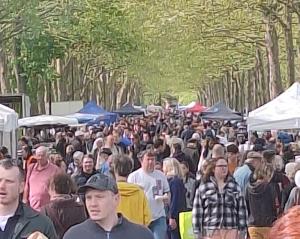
159 228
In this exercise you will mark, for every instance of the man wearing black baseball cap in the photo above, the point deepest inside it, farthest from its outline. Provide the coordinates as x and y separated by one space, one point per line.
102 199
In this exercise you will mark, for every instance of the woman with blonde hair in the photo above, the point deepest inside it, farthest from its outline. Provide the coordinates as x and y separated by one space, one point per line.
219 210
172 169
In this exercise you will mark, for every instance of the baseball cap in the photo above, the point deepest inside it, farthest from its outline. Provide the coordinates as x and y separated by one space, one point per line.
100 182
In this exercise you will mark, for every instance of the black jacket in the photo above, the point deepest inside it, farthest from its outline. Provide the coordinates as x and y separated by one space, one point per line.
261 204
124 229
81 178
193 154
31 221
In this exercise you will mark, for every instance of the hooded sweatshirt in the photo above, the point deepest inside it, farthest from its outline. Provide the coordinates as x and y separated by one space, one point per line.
134 204
261 203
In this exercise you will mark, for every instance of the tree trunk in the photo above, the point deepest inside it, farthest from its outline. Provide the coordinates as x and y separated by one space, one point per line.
40 95
289 45
3 87
21 81
60 82
221 87
249 91
271 39
262 81
242 91
232 82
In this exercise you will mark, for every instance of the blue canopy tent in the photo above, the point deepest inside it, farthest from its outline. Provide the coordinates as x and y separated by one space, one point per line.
91 114
128 109
220 111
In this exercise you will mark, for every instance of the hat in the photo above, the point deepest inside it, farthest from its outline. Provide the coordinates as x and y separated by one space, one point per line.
254 155
232 148
106 151
100 182
78 133
297 178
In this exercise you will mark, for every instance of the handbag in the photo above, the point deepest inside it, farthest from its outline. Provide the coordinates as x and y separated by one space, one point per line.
185 225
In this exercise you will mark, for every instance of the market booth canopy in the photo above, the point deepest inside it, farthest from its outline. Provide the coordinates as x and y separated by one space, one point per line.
8 127
282 112
92 113
197 108
46 120
220 111
128 109
8 119
92 108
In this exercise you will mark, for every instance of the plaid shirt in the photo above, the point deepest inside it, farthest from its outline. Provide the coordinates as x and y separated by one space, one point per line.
214 210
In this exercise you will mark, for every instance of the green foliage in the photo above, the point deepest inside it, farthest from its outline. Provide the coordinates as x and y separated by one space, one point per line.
169 46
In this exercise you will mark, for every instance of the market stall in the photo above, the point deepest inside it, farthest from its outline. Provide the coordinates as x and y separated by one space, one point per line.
282 112
8 129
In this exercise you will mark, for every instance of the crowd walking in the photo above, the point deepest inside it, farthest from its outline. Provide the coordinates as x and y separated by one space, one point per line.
163 176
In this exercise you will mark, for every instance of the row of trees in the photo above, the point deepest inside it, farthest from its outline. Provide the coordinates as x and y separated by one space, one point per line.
268 34
241 52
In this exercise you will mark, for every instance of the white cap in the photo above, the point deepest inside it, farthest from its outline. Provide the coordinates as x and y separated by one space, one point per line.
297 178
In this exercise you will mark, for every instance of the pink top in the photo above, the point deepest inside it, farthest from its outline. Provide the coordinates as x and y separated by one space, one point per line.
37 181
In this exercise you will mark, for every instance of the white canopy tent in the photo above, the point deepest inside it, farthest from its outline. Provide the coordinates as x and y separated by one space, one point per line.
185 107
8 129
46 120
281 113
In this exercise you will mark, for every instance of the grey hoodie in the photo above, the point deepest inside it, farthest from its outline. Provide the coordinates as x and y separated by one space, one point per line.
124 229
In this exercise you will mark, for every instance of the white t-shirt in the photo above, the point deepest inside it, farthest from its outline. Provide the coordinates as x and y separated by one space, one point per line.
153 184
4 220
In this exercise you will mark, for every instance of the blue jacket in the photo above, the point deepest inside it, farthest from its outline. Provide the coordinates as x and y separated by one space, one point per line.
242 176
178 199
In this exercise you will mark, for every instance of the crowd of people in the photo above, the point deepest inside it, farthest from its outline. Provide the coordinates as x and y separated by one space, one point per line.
134 178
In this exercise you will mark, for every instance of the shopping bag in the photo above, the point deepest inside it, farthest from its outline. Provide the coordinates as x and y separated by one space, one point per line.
185 225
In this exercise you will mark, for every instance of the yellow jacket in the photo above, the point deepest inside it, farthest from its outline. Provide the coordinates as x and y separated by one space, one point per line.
133 203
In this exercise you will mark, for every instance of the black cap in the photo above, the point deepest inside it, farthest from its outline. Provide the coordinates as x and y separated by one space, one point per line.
100 182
